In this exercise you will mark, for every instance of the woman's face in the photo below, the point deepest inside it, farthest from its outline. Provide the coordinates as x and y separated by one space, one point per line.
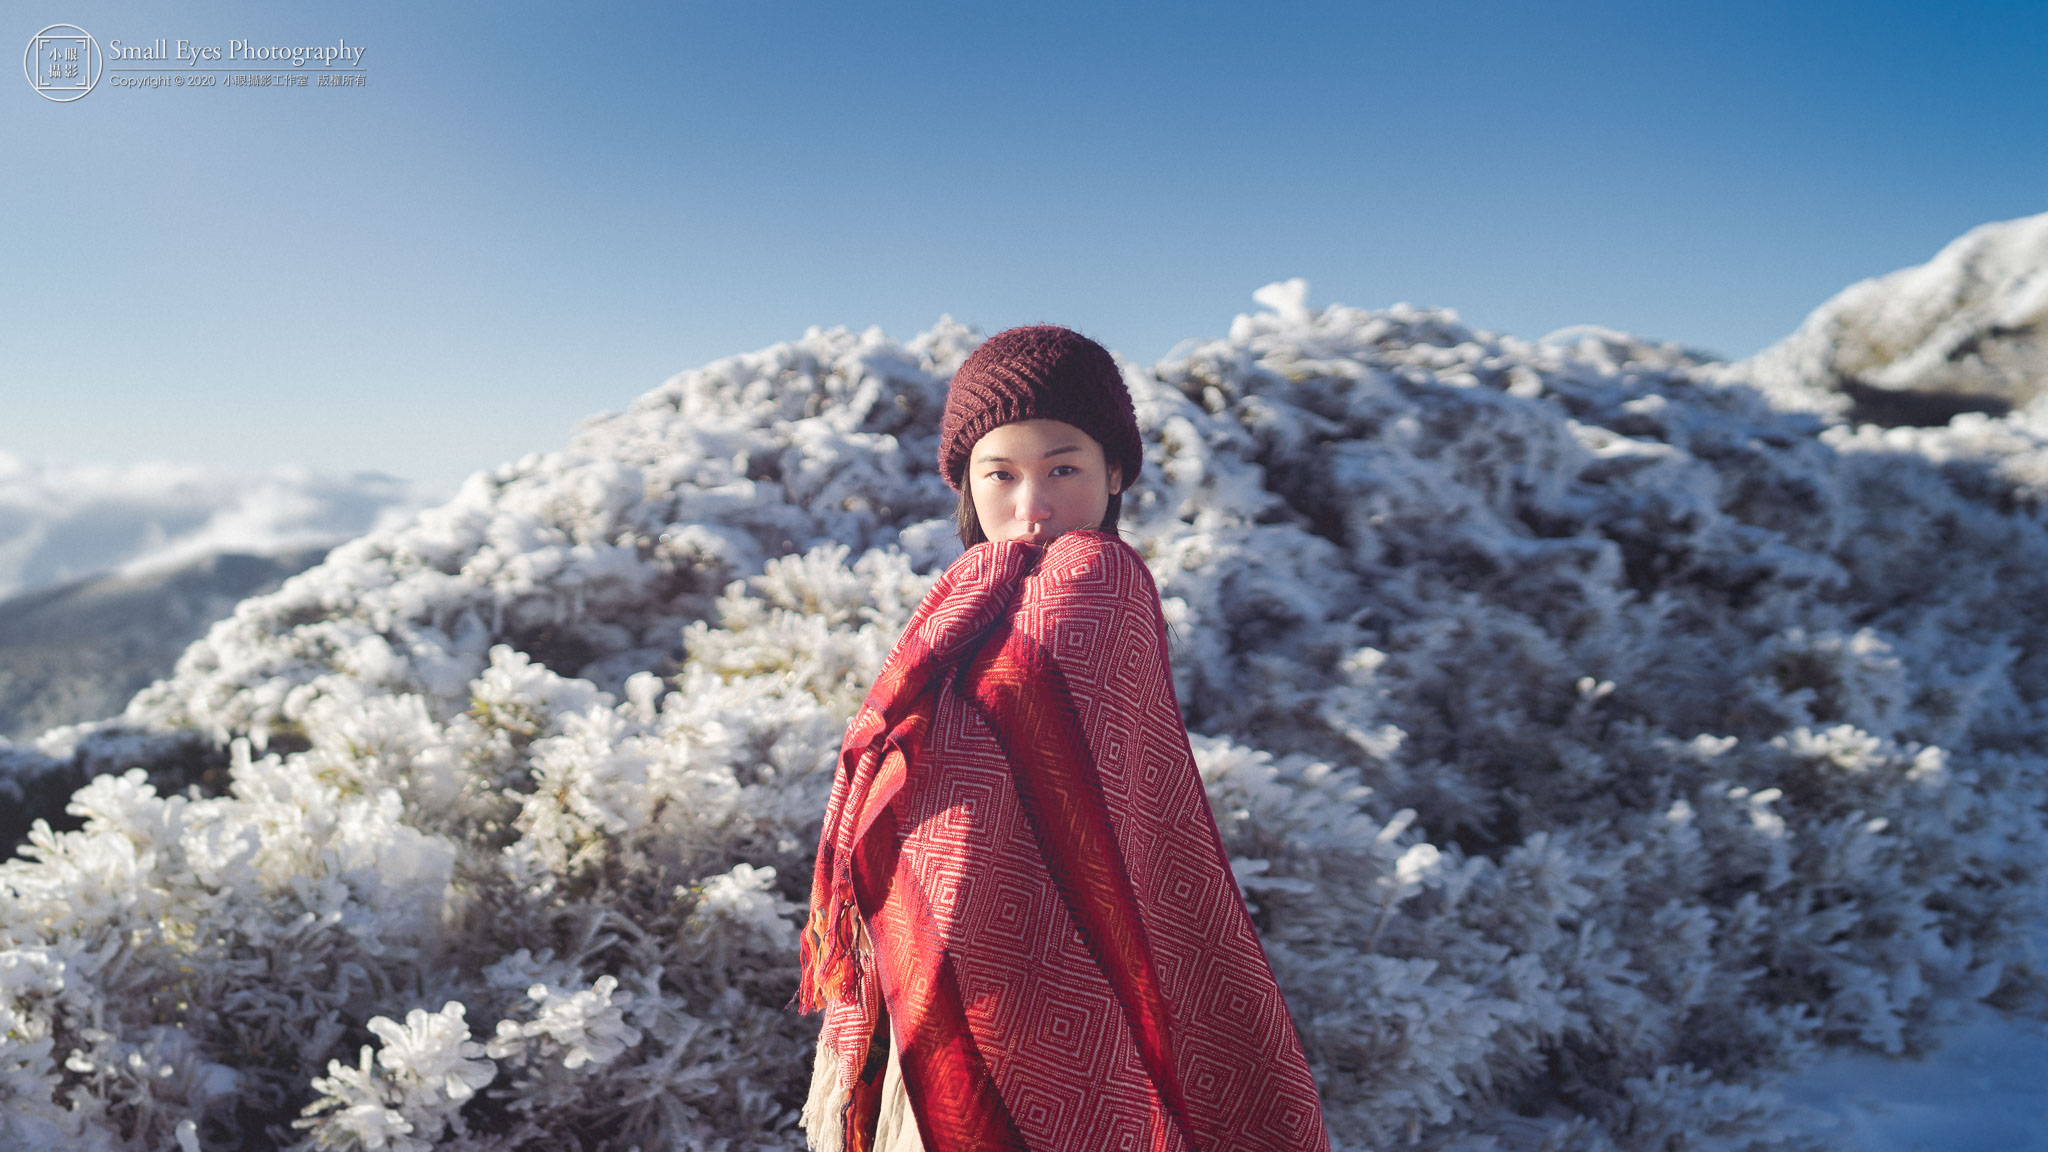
1035 479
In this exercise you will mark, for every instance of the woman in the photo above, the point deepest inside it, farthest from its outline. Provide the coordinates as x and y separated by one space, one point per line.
1024 932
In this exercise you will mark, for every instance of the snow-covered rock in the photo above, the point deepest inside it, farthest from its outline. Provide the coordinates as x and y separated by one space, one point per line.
1594 738
1966 330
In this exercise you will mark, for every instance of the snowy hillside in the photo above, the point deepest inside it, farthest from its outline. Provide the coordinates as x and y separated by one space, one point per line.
1966 330
65 522
1593 739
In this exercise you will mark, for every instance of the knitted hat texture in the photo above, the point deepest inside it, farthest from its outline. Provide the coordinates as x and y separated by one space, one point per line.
1043 372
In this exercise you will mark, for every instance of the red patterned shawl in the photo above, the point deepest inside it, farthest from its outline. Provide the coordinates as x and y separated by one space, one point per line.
1020 876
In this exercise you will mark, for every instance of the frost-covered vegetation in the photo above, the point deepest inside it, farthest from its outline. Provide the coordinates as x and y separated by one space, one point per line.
1592 738
1972 322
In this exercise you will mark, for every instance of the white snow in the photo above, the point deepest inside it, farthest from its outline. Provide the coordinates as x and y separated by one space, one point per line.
1983 1089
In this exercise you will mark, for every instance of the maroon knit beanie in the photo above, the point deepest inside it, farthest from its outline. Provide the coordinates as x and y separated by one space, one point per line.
1040 373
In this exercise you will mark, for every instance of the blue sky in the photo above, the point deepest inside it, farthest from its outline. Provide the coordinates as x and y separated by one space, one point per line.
531 213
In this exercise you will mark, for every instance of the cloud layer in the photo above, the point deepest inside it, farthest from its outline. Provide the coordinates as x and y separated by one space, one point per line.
61 522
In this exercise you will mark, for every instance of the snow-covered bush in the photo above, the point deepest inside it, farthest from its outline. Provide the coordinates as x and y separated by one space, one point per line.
1590 737
1968 323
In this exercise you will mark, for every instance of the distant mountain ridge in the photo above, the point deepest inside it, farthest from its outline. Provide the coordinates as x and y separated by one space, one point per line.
61 522
109 571
79 651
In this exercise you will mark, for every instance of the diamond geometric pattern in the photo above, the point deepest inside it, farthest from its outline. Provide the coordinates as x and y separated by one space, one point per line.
1019 875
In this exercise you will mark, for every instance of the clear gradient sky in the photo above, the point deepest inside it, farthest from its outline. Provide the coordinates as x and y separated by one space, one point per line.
533 212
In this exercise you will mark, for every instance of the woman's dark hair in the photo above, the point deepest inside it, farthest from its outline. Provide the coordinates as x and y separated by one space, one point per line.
970 521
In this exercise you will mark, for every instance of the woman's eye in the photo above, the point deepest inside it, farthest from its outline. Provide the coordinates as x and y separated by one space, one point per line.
1064 469
999 476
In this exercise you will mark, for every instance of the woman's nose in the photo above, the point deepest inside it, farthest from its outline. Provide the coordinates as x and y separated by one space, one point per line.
1032 504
